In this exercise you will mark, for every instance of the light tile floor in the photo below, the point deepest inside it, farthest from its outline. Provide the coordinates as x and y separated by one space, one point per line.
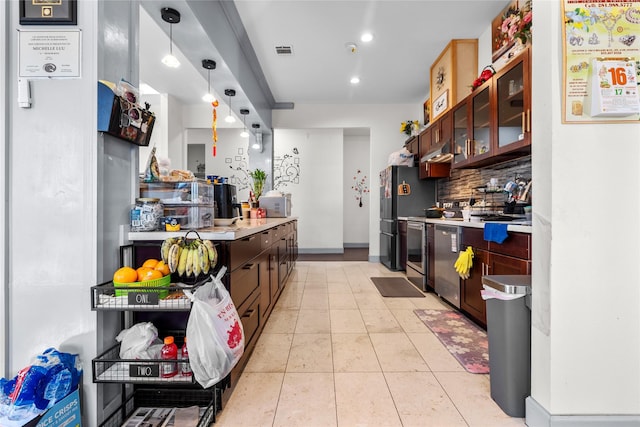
336 353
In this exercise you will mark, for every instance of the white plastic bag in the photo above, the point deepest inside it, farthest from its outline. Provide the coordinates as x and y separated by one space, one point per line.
214 332
402 157
137 342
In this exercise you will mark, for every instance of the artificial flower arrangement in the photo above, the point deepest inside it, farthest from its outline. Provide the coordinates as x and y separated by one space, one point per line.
516 24
409 127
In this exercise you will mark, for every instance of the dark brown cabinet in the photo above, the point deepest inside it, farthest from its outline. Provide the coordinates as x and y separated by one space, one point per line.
513 256
431 277
402 233
412 145
493 124
435 137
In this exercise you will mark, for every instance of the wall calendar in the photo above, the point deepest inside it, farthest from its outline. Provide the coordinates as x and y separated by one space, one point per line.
601 61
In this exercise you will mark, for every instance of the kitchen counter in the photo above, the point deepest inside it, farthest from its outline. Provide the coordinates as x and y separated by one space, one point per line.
515 226
240 230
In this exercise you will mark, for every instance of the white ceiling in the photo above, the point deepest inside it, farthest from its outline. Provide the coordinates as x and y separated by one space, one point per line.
393 68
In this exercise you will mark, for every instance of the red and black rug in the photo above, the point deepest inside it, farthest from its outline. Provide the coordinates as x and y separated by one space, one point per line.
464 340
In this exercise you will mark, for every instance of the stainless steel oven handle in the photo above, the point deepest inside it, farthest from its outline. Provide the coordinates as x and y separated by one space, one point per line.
416 225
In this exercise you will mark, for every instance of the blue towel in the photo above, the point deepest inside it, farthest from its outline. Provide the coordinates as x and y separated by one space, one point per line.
495 232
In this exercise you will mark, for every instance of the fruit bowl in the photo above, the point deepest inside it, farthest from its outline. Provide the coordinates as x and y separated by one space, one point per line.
163 282
449 214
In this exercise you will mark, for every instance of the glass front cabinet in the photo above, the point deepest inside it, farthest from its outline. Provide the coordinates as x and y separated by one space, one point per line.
494 122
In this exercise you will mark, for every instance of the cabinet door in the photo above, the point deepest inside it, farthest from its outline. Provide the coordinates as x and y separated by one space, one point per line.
424 142
402 231
264 278
471 301
431 260
481 111
502 264
513 105
461 131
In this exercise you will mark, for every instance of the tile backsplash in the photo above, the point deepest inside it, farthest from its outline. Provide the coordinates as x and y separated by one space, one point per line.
460 186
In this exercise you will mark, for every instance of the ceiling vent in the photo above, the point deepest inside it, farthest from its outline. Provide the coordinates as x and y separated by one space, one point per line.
284 50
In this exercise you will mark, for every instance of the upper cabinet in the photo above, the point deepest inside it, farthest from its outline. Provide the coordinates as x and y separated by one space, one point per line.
451 74
493 124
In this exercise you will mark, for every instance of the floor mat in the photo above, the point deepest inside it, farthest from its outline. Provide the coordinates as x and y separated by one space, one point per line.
467 342
396 287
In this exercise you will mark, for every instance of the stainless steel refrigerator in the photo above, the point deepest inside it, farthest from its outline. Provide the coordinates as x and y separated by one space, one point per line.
402 194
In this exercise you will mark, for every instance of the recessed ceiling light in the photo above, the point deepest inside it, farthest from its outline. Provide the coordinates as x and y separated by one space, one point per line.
366 37
355 80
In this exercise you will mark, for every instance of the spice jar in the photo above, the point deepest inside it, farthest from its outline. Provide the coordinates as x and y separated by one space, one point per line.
146 214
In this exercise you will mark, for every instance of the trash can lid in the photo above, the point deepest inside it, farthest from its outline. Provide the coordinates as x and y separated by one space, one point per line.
510 284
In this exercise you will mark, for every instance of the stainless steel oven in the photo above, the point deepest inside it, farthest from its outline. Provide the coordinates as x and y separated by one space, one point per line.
417 254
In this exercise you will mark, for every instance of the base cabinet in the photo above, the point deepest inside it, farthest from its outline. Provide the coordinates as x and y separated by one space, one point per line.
513 256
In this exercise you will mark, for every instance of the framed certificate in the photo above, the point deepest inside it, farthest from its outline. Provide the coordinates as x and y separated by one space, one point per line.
48 12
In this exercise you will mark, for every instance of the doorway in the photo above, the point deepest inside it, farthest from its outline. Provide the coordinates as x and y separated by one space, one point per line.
196 159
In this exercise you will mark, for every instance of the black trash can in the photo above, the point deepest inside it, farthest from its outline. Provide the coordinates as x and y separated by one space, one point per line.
508 301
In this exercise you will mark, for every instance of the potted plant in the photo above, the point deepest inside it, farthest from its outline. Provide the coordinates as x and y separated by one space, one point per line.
259 177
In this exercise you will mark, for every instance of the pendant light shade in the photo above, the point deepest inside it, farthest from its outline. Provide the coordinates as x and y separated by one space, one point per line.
171 16
229 93
257 145
209 65
244 133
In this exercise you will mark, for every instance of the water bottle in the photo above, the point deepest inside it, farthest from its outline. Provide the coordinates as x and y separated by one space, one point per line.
185 367
169 352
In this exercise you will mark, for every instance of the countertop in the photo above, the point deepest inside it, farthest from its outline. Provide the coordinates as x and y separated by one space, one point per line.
515 226
240 230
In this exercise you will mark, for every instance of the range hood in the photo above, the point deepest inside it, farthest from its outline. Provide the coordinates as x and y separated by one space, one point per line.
439 155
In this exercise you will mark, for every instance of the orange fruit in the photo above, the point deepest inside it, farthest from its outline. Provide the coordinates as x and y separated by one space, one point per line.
162 267
150 274
141 271
125 275
151 263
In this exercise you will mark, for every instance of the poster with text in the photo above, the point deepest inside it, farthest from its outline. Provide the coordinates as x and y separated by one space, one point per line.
597 32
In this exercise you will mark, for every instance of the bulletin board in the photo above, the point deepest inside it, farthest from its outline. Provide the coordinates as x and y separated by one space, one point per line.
601 61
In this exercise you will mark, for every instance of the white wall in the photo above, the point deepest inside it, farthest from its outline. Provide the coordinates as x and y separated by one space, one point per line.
3 190
356 165
231 159
586 322
384 124
316 198
52 209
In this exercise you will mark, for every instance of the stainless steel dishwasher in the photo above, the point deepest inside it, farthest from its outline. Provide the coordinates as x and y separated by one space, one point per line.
447 281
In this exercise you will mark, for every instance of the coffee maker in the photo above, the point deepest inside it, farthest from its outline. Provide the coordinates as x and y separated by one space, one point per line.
226 201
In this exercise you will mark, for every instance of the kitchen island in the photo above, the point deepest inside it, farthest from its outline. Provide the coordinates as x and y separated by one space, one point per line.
259 255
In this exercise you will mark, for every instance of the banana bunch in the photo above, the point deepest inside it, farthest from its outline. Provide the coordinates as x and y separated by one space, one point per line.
189 258
464 263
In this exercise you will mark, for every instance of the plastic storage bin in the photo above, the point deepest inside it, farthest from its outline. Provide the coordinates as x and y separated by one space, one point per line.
509 331
183 192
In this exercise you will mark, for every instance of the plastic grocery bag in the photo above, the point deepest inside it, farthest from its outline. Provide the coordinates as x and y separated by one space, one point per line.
402 157
214 332
139 342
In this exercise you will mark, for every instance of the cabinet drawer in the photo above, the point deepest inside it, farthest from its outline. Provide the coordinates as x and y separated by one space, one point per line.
276 233
473 237
266 239
243 282
250 321
243 250
516 245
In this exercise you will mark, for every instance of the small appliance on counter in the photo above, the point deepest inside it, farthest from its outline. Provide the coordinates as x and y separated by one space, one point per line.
226 202
277 205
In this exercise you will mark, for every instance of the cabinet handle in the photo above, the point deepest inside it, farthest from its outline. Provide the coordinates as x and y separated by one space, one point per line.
524 119
248 266
528 120
248 313
248 239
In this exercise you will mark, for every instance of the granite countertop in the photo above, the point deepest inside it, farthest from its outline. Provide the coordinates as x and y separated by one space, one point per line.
516 226
240 230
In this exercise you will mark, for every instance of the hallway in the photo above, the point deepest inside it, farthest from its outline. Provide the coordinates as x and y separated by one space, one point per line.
336 353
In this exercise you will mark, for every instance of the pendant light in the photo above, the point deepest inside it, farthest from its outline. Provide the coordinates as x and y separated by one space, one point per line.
244 133
171 16
257 145
209 65
229 93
